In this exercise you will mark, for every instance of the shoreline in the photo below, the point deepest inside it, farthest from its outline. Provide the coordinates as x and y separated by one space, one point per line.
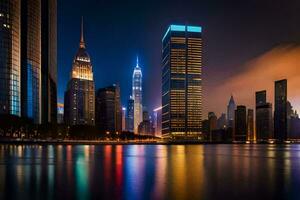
128 142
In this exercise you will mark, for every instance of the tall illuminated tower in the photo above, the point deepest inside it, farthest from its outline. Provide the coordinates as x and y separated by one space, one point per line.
230 112
137 94
182 82
80 94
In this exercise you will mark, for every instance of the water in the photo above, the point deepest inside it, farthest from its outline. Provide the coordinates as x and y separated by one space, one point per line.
150 172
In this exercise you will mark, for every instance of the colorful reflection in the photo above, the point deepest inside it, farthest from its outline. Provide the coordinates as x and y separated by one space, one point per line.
149 172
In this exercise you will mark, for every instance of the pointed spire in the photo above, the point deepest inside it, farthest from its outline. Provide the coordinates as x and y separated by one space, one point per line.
82 44
137 61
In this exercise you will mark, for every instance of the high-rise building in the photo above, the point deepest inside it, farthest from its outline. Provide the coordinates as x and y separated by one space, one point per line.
108 110
31 55
60 113
230 112
145 127
80 93
28 55
240 133
10 57
130 115
212 118
263 115
250 125
157 120
182 82
137 94
221 122
280 114
123 119
49 61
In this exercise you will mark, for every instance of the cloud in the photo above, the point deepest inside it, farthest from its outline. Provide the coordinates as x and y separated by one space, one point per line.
260 74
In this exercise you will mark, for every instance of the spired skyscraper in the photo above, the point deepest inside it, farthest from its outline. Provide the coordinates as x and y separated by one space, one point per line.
28 55
230 112
182 82
80 94
137 94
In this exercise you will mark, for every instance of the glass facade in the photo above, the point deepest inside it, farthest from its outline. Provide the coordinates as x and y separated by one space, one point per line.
49 61
31 60
10 64
182 82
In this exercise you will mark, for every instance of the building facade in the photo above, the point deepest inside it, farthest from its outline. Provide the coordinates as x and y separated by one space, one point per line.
108 110
49 61
230 112
137 94
31 55
182 82
240 133
263 117
280 114
10 57
27 50
250 125
157 117
80 93
130 115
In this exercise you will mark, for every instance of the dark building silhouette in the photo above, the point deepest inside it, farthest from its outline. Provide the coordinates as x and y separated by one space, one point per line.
263 117
80 94
240 133
182 82
280 114
49 61
212 118
130 115
146 127
250 125
221 122
108 110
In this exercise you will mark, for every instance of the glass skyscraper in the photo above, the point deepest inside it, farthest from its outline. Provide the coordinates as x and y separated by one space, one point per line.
130 115
182 82
10 57
49 61
280 114
137 94
80 94
28 56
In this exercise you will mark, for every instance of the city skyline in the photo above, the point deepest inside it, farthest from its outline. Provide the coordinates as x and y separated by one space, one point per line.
222 68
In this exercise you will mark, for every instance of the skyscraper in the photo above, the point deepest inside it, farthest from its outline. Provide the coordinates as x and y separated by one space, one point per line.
28 56
31 75
182 82
108 110
49 61
10 57
130 115
230 112
137 94
250 125
157 120
263 114
280 114
240 120
80 94
212 118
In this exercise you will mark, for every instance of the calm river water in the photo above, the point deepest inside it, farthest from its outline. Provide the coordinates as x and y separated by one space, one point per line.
150 172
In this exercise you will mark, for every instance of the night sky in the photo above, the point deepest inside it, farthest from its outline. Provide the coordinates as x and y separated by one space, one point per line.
247 45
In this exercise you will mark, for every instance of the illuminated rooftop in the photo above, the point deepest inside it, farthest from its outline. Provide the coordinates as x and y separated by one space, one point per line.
183 28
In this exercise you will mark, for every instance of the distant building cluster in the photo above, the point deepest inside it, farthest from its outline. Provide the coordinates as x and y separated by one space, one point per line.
265 126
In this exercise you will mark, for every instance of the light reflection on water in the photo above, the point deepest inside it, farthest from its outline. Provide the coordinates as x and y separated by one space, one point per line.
150 172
